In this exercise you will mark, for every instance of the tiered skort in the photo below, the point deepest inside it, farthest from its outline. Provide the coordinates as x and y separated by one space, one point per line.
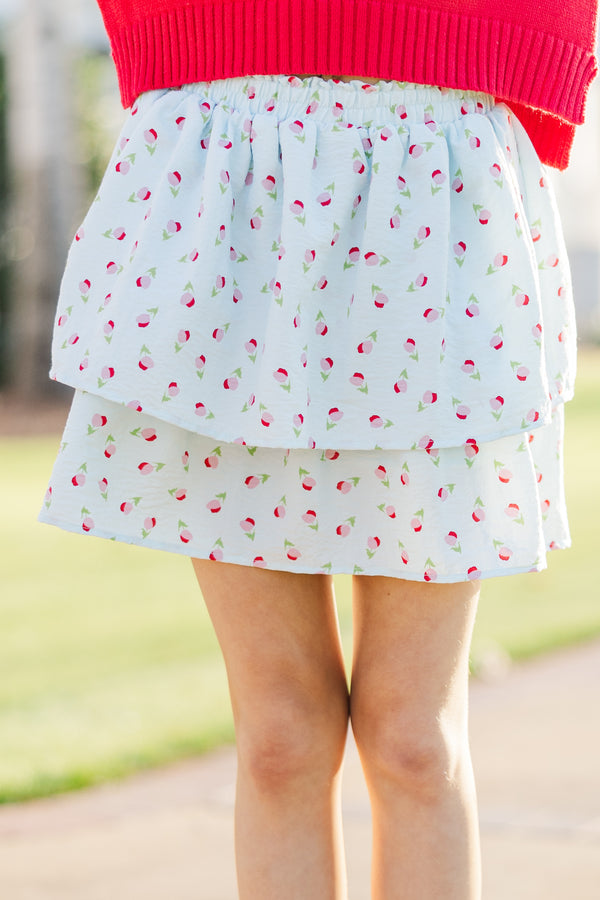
322 327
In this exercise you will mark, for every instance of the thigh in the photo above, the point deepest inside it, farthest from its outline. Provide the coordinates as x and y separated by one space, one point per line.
279 635
411 649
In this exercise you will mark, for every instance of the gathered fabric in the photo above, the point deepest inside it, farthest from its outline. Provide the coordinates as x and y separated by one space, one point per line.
539 58
319 326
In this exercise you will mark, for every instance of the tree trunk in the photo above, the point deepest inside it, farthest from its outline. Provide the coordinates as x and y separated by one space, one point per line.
46 186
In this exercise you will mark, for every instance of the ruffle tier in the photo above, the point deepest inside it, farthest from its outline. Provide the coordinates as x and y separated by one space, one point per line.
448 515
299 264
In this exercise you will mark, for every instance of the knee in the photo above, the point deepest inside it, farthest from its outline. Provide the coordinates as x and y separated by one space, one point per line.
291 742
409 751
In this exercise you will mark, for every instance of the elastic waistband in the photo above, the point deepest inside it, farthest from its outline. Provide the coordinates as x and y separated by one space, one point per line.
326 99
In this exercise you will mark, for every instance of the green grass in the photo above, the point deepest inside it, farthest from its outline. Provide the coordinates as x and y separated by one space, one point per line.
108 662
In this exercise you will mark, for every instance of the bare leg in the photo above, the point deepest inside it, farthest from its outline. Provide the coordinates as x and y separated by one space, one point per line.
280 640
409 715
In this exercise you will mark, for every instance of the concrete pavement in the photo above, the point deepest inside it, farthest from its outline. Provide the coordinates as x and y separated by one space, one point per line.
168 834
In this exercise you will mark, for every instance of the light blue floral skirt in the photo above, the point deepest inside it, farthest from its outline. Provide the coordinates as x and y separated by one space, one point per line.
319 326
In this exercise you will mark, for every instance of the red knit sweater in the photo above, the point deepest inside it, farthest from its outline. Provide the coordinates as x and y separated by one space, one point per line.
535 55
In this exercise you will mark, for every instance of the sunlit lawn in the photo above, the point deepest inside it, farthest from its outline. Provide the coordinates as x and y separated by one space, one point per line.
107 660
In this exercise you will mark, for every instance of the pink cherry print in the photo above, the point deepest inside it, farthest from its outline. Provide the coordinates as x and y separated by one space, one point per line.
496 342
260 563
471 448
522 373
430 315
505 553
211 462
375 421
214 506
279 511
218 334
252 481
401 386
429 574
429 397
107 372
200 362
457 185
343 530
512 510
109 450
521 299
443 493
78 480
266 419
451 538
332 454
173 389
335 414
500 260
438 177
504 475
149 434
416 524
343 486
185 536
373 542
293 554
310 517
473 573
143 320
98 420
145 363
415 150
231 383
126 507
326 363
478 514
247 524
88 523
460 248
308 483
381 473
365 347
281 375
298 419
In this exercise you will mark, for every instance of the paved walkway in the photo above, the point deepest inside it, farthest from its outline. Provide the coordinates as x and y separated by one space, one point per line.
167 835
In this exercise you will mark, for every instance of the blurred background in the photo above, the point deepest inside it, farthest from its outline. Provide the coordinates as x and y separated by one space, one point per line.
107 660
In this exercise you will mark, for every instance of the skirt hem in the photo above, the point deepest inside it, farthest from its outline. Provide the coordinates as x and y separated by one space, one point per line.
302 568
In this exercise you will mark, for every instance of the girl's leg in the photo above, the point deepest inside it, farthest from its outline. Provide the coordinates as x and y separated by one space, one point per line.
409 715
280 640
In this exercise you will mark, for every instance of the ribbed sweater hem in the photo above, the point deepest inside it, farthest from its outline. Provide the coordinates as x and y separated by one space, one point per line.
541 77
